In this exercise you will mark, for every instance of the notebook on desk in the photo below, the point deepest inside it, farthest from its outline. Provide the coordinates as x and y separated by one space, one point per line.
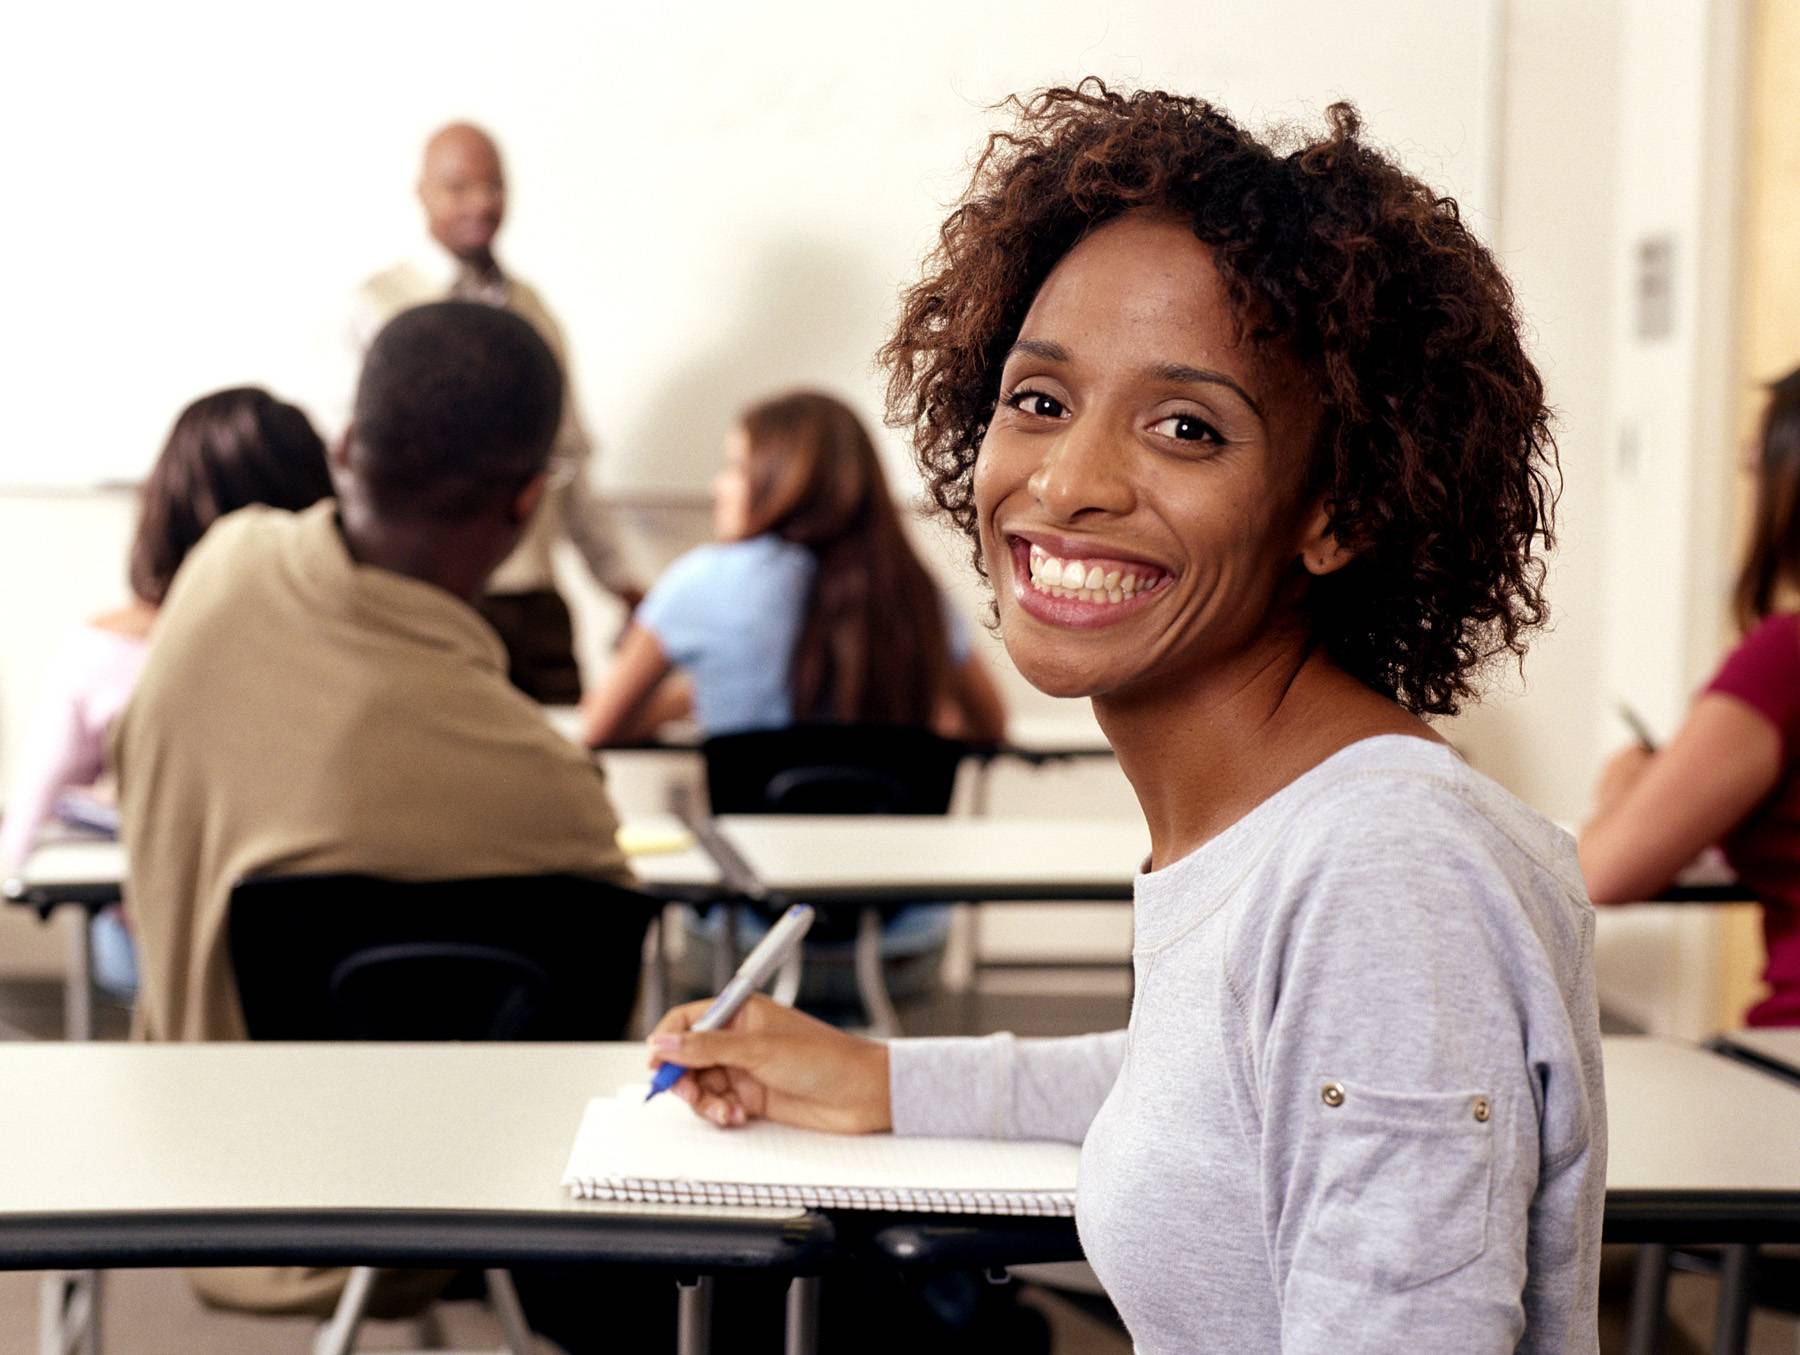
660 1152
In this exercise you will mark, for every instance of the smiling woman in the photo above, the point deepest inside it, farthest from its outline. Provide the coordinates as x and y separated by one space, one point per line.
1421 422
1247 442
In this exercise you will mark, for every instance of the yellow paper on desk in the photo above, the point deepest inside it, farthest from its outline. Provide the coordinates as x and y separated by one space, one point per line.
653 839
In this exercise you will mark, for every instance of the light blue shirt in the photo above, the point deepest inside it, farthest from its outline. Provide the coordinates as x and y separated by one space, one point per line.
730 615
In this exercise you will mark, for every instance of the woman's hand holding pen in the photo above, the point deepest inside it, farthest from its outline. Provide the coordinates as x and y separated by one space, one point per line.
776 1063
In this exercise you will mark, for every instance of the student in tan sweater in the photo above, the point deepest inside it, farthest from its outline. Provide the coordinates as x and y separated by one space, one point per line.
321 694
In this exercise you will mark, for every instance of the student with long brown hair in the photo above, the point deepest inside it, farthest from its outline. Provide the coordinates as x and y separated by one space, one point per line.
811 605
227 450
1731 774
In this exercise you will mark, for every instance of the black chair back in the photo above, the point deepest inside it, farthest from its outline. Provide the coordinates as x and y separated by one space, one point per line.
831 769
357 957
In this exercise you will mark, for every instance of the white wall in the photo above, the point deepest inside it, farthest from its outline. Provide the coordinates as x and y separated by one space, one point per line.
1542 735
1671 446
1621 127
718 198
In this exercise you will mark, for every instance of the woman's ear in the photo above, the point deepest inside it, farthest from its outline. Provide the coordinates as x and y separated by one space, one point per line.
1321 552
525 502
337 466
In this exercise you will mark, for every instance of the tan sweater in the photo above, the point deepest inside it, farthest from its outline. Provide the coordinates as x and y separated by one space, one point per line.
302 713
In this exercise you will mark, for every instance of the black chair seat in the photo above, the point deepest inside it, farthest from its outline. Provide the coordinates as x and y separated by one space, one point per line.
357 957
831 769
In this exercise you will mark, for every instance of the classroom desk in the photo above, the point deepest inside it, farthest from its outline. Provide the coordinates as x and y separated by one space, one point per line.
860 859
865 861
1773 1049
91 871
452 1154
1709 878
88 873
857 859
83 873
331 1154
1040 739
1703 1147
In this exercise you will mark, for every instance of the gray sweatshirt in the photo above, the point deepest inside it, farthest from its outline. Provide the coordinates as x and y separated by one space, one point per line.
1359 1105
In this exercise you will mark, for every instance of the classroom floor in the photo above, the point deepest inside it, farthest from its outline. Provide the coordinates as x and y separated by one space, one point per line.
153 1312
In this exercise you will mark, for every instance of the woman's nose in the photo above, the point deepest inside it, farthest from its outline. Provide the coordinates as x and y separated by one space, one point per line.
1083 471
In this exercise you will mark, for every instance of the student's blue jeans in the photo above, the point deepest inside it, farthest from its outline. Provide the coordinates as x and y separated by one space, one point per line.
115 955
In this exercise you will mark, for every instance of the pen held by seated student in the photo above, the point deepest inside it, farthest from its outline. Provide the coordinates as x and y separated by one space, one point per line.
758 968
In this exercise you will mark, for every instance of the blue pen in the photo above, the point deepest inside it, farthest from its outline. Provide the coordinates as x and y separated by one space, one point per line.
758 968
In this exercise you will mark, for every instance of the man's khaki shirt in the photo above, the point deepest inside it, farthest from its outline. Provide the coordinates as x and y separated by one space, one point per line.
302 713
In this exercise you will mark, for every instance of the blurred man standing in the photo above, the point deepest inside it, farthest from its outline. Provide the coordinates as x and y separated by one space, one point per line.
462 188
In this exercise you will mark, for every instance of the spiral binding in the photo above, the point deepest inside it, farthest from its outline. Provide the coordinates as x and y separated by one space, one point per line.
641 1190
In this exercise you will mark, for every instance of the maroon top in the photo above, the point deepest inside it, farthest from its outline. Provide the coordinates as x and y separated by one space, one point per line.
1764 673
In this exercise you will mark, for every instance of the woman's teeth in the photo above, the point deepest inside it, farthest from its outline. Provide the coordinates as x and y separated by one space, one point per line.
1088 582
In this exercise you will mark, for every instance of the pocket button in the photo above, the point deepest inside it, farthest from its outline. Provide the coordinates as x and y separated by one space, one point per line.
1482 1110
1333 1095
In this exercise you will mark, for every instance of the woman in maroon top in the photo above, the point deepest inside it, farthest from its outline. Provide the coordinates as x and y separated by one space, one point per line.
1731 775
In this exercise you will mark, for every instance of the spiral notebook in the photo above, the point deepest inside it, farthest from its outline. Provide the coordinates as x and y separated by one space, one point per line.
660 1152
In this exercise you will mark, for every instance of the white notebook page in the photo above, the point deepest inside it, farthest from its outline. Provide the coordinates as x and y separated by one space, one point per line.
661 1151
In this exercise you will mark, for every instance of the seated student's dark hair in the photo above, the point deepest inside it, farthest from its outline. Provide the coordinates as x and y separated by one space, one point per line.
456 410
226 451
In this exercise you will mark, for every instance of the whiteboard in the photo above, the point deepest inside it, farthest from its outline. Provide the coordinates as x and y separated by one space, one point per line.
719 200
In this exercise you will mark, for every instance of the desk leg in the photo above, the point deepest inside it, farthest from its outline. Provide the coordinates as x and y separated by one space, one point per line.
69 1313
337 1336
654 999
1649 1300
693 1315
78 976
1731 1322
725 951
53 1304
884 1021
803 1315
90 1334
978 797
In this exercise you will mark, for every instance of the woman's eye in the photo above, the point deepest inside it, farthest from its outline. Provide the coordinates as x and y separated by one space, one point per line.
1036 403
1186 428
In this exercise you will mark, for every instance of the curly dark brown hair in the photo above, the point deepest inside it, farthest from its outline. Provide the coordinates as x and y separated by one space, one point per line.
1435 453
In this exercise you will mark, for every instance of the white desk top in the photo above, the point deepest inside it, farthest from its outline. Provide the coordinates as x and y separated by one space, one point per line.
1056 735
688 869
123 1129
1683 1118
73 861
1775 1045
851 857
1046 736
99 864
126 1129
822 857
